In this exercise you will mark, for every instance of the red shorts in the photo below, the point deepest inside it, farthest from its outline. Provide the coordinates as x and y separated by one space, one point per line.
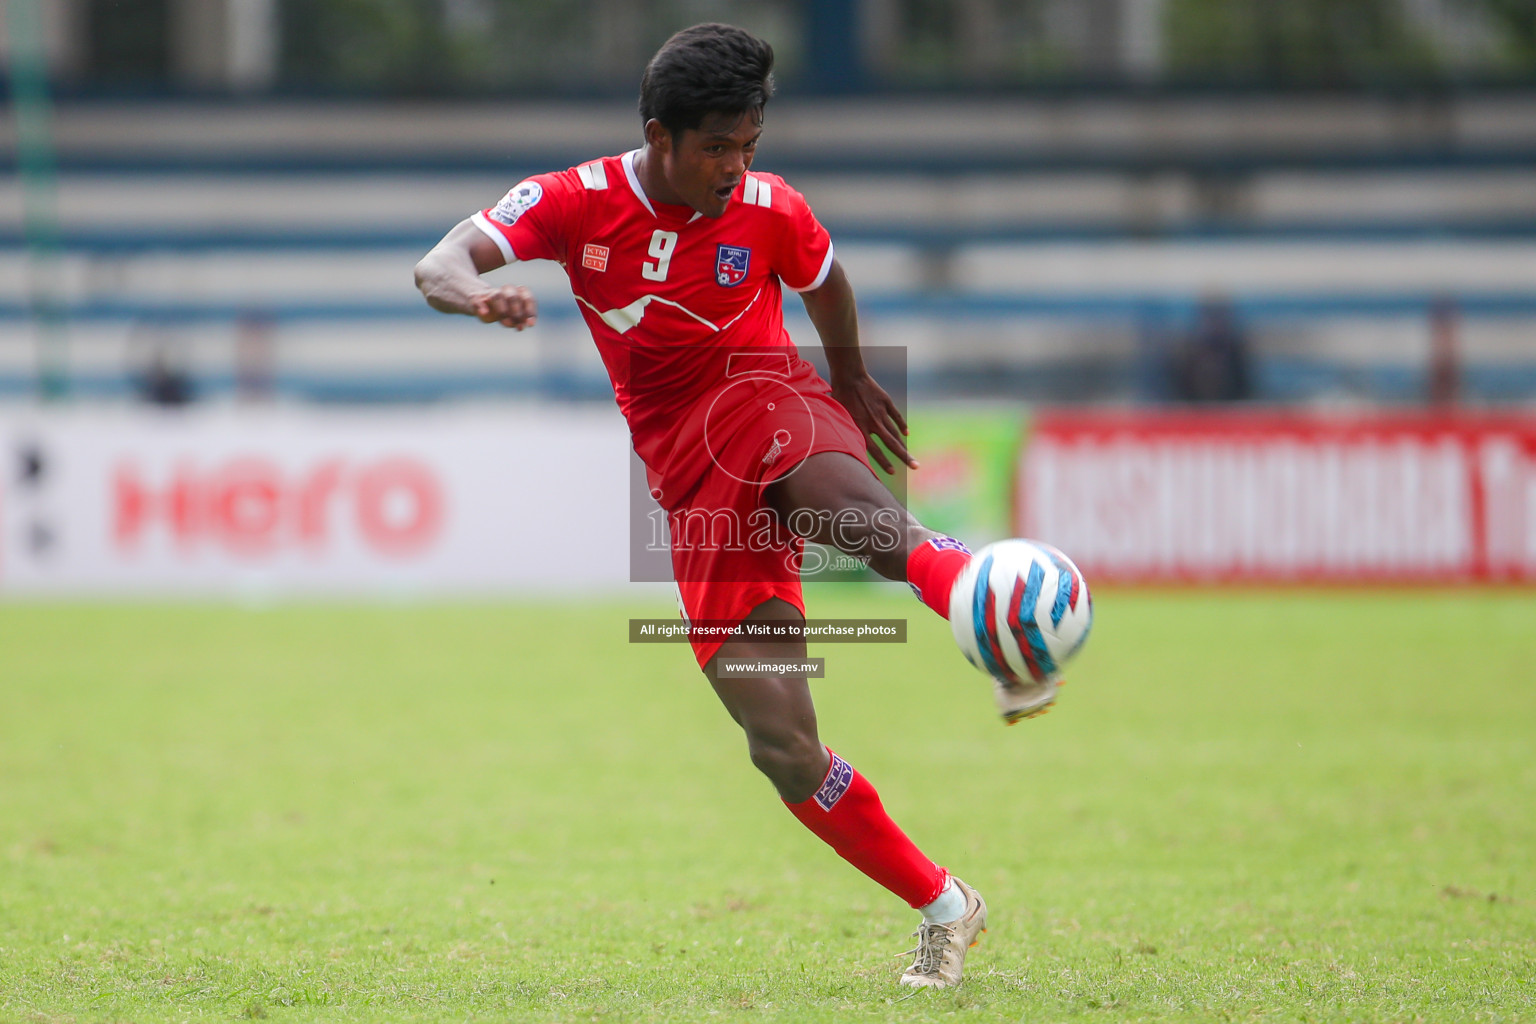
729 551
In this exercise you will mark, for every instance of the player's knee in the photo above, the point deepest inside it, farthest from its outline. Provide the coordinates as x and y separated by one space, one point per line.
774 754
792 760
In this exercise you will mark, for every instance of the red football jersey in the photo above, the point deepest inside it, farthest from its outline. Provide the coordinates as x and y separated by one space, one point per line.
667 292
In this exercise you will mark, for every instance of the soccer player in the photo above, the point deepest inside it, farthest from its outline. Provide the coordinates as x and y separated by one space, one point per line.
677 253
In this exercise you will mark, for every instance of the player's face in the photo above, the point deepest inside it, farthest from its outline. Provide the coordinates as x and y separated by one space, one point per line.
705 164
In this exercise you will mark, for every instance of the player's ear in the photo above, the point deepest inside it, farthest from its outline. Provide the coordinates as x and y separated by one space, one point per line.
657 136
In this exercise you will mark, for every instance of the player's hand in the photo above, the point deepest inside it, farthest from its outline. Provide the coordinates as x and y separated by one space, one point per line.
510 305
877 416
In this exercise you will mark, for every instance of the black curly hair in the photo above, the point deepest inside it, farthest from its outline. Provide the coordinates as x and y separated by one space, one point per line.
706 69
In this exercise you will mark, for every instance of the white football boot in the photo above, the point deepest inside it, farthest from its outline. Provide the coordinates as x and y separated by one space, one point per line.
941 948
1017 702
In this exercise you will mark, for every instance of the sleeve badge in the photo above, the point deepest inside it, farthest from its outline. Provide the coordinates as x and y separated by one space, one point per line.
517 202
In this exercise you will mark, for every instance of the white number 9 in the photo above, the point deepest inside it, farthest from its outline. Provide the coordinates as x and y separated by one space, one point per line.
662 244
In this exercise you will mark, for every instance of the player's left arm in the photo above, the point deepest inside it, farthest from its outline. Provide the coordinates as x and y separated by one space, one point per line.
835 315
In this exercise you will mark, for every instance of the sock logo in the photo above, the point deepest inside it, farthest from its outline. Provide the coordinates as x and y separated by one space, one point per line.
948 544
839 778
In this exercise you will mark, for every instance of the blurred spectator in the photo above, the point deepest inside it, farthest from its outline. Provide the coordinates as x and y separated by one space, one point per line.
1212 365
254 358
1444 363
164 381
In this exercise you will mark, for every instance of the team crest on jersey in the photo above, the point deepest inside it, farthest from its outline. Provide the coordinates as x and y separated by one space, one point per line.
731 262
517 202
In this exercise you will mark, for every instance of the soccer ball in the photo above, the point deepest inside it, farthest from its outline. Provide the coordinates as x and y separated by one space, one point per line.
1020 610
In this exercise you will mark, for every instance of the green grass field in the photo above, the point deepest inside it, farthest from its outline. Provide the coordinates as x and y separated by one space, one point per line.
1247 806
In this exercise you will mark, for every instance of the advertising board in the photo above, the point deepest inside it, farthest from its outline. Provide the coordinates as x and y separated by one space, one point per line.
1433 497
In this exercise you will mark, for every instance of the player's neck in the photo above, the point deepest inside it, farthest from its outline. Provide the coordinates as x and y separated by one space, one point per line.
652 181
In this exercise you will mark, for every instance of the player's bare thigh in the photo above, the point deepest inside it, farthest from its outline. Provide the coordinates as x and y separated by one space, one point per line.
833 498
776 713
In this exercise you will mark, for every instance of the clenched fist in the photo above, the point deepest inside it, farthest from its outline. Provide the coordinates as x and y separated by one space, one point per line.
510 305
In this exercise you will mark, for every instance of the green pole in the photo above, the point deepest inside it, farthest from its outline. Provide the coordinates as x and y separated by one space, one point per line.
37 172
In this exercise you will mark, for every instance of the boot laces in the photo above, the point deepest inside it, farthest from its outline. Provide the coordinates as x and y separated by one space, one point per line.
932 941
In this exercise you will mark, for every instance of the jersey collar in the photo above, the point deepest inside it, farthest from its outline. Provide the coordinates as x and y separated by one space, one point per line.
634 180
628 159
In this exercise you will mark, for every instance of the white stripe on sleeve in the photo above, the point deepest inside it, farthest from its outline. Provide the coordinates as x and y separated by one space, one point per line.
500 239
821 275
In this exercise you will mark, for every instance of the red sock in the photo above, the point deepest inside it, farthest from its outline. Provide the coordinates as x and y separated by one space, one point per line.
931 570
847 814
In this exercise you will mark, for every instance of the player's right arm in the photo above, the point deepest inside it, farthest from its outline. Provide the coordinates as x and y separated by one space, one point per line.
449 277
